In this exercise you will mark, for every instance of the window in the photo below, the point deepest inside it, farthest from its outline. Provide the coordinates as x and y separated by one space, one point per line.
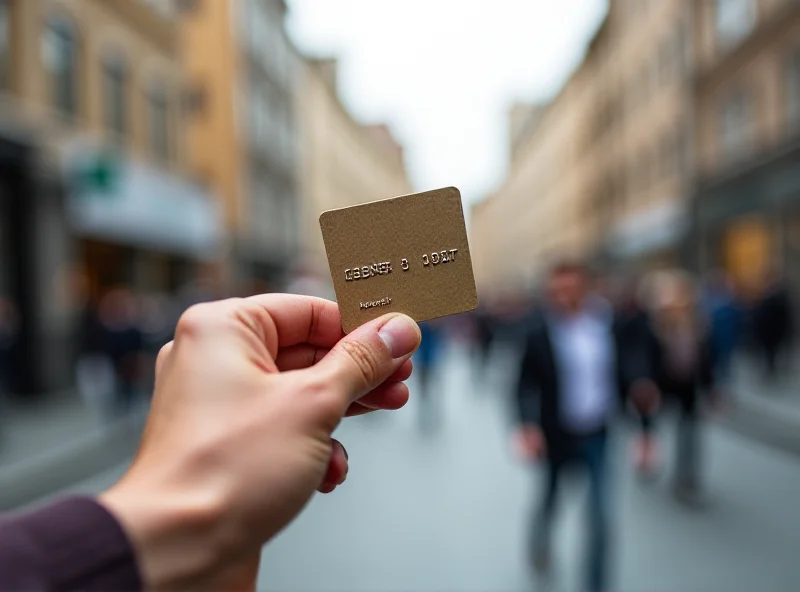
115 78
60 56
163 7
735 19
159 124
793 91
735 122
5 42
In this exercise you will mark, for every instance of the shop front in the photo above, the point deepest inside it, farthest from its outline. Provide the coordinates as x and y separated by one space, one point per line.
140 227
748 223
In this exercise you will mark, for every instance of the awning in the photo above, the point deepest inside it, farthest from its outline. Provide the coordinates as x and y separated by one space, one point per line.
658 228
139 205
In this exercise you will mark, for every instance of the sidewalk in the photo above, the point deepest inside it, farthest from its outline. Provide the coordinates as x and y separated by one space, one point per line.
58 441
47 445
766 411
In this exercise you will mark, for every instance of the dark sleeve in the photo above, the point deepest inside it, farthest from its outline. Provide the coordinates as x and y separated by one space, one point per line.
707 363
72 544
528 403
636 355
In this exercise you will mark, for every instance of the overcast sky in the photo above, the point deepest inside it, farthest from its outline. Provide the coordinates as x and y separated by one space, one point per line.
443 72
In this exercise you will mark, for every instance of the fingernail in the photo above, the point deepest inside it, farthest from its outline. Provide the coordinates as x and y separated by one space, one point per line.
401 335
346 456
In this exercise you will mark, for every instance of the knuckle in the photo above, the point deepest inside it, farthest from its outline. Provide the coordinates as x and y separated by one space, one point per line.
163 353
192 320
365 359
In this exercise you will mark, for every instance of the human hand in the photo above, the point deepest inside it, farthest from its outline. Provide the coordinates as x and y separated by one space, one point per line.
529 443
239 433
645 396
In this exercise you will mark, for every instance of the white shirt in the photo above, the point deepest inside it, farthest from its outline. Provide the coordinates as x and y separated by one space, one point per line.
585 359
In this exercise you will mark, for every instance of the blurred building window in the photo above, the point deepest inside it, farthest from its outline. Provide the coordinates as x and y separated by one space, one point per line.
115 87
5 43
195 98
187 6
793 91
60 56
735 123
735 19
159 124
163 7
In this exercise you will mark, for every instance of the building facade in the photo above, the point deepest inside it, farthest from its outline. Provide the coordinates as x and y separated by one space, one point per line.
343 163
536 213
747 88
643 132
93 169
243 73
601 172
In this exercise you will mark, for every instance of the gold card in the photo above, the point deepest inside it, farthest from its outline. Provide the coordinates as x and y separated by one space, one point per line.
406 254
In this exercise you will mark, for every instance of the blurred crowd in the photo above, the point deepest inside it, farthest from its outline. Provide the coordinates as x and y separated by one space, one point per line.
654 348
116 335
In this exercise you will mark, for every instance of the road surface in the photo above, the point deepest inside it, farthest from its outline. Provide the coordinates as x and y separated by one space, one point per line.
447 509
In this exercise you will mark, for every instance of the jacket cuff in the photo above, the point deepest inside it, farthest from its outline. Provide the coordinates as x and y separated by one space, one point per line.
82 546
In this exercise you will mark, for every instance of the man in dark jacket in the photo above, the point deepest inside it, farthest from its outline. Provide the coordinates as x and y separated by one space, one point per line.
572 375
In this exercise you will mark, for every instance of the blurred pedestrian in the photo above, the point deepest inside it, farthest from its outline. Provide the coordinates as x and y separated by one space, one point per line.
483 323
686 367
156 326
426 361
637 344
119 317
94 368
726 320
571 378
773 324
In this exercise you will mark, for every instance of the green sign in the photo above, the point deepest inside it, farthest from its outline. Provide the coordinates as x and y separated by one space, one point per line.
98 174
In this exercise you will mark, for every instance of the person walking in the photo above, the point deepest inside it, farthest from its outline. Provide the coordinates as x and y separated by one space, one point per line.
426 360
725 318
637 344
571 377
119 316
686 355
773 323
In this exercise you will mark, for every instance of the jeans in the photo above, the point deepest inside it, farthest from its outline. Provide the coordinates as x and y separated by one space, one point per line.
687 465
589 452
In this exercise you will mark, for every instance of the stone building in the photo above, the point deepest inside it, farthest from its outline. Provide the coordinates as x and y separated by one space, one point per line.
343 162
93 173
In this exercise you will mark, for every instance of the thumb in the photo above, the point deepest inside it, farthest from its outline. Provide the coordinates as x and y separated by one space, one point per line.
365 358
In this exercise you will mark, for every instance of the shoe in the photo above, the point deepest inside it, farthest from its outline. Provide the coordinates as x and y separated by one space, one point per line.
541 562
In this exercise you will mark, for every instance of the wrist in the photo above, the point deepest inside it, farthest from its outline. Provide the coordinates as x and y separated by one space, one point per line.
177 538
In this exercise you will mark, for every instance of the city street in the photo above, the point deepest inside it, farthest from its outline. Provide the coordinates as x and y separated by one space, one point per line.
447 509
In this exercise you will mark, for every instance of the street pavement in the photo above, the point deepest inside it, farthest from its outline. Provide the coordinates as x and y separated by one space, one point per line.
444 506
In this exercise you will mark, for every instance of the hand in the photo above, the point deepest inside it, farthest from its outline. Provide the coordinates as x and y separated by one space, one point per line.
645 396
718 400
529 443
239 433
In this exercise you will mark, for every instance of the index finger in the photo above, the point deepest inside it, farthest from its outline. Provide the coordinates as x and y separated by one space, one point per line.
302 319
